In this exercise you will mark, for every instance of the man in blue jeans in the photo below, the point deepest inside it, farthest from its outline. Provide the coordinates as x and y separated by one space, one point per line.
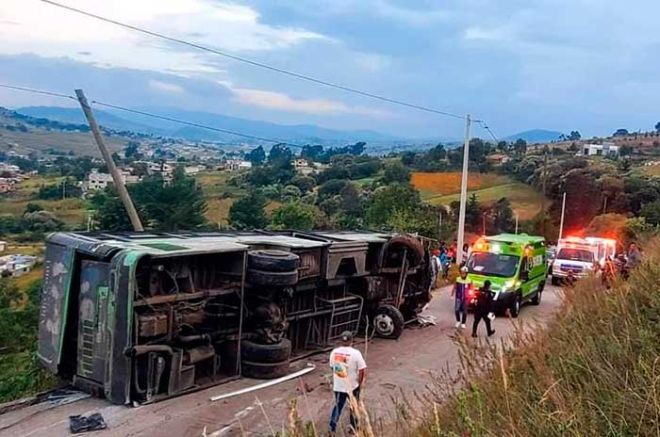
348 372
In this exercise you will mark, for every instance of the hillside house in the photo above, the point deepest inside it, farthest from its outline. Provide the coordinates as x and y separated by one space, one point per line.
605 149
233 165
99 181
7 185
16 265
192 170
3 246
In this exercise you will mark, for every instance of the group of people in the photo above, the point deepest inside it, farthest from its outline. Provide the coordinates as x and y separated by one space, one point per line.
621 264
443 257
483 308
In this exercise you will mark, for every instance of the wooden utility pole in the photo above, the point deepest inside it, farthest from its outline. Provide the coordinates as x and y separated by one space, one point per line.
112 168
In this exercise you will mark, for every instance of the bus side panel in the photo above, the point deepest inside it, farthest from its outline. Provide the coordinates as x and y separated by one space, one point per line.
58 269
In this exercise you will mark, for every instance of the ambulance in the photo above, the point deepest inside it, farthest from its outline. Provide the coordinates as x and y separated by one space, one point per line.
575 256
515 265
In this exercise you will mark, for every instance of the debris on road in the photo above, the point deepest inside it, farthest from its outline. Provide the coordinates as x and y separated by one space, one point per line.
79 424
272 382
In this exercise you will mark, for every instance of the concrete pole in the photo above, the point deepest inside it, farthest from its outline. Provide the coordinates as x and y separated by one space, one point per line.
464 183
516 223
561 221
112 168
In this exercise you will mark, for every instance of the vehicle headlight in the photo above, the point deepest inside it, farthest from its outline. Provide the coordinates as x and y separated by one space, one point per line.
510 286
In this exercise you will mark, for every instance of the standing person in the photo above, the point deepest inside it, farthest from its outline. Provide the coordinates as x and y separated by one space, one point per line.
460 294
435 268
634 256
466 253
452 252
608 274
483 309
444 263
348 372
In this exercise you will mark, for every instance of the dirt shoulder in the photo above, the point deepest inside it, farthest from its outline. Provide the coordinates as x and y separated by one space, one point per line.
397 371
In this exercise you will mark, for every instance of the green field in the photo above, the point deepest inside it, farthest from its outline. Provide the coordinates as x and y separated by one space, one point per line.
525 200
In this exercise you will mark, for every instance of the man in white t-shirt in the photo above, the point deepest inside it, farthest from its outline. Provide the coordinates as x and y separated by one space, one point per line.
348 372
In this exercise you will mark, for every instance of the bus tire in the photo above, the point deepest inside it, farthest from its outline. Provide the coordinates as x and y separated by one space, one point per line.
257 370
266 353
273 260
388 322
277 279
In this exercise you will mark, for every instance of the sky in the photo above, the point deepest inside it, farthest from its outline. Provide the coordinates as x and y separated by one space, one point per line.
590 65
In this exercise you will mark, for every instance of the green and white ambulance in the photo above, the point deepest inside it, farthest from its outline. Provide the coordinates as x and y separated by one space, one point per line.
515 265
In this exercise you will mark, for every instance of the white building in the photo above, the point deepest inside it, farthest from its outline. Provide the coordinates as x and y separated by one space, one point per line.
605 149
99 181
16 265
237 165
3 246
192 170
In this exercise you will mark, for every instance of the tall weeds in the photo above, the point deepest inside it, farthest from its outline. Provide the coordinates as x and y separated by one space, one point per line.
594 371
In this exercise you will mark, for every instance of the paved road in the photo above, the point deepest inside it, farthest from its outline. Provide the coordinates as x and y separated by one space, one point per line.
395 369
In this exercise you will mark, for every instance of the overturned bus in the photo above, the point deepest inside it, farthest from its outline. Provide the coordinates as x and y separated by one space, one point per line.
139 317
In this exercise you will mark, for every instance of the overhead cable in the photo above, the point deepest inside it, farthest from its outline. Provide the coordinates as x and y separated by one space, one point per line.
253 62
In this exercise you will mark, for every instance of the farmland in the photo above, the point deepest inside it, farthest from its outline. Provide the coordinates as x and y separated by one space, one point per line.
444 188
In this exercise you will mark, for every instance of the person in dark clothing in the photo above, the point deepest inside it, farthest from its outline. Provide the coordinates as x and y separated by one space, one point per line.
483 308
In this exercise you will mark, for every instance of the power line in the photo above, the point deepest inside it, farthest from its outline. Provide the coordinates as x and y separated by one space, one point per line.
35 91
485 126
254 63
183 122
148 114
190 123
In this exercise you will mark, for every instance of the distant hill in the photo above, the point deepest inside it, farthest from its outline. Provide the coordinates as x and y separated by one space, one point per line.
139 123
535 136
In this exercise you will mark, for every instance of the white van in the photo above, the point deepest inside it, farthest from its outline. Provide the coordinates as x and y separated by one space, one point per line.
576 255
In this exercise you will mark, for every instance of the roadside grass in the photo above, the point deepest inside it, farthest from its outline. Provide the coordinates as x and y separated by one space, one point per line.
217 210
594 371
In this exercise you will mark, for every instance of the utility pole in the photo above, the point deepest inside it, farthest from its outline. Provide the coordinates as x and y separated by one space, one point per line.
112 168
464 183
545 176
563 210
516 223
64 188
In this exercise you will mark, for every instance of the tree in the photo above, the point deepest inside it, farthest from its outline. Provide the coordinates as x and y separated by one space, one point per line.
657 127
502 215
473 214
574 136
256 156
621 133
312 153
396 172
168 207
177 205
304 183
626 150
249 212
520 146
131 150
294 215
651 212
388 199
280 153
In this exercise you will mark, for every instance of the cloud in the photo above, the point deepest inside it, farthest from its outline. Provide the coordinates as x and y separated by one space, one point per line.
166 87
53 32
284 102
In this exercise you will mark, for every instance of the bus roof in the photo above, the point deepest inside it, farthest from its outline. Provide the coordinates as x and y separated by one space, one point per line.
522 239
